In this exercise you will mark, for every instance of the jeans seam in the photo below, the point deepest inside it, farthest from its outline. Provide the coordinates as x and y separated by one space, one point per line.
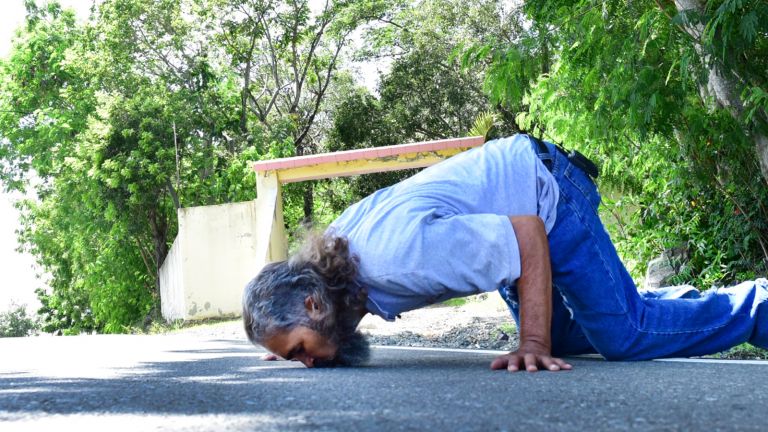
574 209
670 333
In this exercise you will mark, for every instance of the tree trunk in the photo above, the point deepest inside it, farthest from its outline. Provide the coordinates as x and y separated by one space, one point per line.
159 227
309 201
762 154
721 85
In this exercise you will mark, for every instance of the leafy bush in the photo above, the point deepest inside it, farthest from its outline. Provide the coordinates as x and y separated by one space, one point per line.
627 87
16 323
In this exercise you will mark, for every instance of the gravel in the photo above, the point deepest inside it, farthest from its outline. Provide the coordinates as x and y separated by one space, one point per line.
479 333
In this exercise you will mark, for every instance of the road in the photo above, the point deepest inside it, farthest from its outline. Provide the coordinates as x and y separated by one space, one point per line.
179 382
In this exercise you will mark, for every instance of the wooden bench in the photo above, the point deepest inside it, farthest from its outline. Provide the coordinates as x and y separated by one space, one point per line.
272 242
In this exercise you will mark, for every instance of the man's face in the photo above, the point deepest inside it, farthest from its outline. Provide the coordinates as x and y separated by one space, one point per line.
302 344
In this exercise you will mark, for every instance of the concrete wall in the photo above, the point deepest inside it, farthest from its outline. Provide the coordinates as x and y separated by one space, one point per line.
213 257
172 284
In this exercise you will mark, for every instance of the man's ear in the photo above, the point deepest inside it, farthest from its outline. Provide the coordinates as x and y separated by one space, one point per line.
314 308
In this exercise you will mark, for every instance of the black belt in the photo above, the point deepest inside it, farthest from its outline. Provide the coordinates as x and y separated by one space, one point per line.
574 157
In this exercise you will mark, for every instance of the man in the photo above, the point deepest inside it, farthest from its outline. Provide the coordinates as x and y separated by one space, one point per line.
516 215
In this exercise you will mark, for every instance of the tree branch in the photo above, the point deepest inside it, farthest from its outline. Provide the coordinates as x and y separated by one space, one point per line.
322 89
246 86
151 269
313 46
172 192
273 66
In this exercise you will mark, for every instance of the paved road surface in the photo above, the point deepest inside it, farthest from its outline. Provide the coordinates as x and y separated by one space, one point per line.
137 383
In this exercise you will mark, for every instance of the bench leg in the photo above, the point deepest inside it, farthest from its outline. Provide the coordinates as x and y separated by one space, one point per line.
272 241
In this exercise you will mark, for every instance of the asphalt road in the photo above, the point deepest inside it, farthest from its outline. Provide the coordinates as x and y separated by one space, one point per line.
137 383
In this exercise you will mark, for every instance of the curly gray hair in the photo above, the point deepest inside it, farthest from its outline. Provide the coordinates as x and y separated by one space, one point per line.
325 270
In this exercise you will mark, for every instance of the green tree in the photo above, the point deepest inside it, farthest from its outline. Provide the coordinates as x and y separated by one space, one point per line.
46 100
129 116
287 57
16 323
425 95
730 39
122 135
630 85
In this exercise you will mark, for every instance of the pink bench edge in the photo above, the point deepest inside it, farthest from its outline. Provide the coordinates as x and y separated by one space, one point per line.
366 153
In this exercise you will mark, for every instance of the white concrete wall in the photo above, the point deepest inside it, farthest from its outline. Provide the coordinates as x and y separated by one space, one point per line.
172 284
216 249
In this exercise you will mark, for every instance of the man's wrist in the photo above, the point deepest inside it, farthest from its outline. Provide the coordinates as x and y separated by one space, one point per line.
535 344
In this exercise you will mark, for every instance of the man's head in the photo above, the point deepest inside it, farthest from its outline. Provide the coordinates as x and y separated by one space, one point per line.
308 308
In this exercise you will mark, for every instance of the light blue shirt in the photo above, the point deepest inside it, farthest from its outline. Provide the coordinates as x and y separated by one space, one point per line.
445 232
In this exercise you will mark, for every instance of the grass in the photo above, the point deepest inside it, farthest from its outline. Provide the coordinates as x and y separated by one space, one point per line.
461 301
508 328
456 302
744 351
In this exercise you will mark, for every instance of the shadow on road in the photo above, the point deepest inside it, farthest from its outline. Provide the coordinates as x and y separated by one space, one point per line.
227 379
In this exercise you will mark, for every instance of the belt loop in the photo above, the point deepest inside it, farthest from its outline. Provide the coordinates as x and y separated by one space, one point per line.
542 151
574 157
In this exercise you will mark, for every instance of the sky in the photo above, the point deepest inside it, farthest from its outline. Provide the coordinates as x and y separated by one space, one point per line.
18 279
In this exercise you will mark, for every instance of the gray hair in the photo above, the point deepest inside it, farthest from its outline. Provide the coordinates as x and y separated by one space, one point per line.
323 269
274 300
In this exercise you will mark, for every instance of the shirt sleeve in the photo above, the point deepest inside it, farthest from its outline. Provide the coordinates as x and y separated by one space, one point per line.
455 255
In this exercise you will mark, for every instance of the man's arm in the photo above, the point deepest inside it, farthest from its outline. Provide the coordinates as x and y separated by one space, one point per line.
534 289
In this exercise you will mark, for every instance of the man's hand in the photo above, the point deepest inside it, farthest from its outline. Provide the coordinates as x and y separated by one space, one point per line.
530 356
535 292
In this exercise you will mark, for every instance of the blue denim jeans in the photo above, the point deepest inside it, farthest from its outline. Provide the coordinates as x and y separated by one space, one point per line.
597 307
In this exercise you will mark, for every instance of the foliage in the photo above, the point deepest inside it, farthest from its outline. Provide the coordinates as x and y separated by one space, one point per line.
455 302
744 351
483 125
425 95
16 323
121 138
508 328
628 87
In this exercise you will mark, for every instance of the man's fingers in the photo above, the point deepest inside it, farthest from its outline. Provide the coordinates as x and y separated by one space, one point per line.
269 357
549 363
562 364
510 362
514 362
500 362
531 363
